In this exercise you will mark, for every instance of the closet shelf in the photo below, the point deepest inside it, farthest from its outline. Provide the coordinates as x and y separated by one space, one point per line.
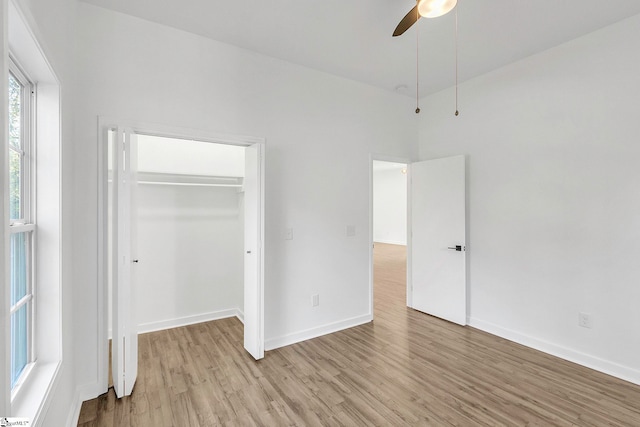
154 178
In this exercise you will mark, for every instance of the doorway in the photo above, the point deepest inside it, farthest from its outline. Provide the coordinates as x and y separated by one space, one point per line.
190 232
389 233
186 233
436 219
193 238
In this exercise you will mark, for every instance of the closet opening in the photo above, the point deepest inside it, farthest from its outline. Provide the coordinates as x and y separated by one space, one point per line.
190 232
183 231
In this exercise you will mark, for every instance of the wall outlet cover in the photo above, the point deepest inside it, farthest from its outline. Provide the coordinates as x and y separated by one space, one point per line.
288 234
584 320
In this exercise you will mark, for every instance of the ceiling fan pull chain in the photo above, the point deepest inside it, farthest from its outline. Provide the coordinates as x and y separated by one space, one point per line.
456 47
417 65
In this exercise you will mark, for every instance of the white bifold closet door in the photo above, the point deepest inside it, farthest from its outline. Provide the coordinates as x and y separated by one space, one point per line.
123 235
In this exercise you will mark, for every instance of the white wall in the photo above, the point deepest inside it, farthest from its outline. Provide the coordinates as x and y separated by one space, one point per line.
389 203
554 212
320 132
190 247
174 156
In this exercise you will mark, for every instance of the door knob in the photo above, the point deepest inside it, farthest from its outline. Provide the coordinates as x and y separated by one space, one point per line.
135 260
456 248
248 252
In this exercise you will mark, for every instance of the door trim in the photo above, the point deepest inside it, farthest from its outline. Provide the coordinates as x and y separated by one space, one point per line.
153 129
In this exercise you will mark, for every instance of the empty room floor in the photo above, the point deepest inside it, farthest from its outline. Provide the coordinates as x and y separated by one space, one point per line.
404 368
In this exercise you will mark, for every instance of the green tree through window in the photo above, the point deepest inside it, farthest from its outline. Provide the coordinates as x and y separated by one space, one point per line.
16 149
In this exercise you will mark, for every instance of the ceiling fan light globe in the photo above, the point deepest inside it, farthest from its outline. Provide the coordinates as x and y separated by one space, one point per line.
435 8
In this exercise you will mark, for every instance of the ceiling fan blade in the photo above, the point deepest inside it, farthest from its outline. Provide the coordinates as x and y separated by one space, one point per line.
408 20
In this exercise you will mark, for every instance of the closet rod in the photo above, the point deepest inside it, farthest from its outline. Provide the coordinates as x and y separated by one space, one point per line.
190 184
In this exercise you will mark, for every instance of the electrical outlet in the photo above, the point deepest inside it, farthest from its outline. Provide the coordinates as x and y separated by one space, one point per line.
351 230
584 320
315 300
288 234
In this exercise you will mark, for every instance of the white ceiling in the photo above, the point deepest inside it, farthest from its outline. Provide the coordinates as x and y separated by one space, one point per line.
352 38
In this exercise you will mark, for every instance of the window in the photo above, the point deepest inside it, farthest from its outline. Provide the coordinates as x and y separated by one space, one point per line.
21 223
33 224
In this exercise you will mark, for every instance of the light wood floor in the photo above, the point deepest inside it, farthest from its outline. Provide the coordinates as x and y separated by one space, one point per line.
405 368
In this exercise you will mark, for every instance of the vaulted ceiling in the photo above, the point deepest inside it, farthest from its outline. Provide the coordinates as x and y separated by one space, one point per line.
352 38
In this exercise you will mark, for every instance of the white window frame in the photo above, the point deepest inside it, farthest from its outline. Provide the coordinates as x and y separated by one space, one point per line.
26 224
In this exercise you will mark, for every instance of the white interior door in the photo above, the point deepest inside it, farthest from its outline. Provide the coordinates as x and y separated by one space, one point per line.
124 326
438 230
253 257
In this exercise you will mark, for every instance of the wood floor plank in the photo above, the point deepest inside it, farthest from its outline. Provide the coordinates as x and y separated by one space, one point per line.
404 368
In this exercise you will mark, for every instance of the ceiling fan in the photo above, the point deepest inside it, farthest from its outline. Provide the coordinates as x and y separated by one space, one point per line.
426 9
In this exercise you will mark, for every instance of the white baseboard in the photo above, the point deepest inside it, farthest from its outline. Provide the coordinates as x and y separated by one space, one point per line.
391 242
185 321
273 343
592 362
89 391
74 411
189 320
83 393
